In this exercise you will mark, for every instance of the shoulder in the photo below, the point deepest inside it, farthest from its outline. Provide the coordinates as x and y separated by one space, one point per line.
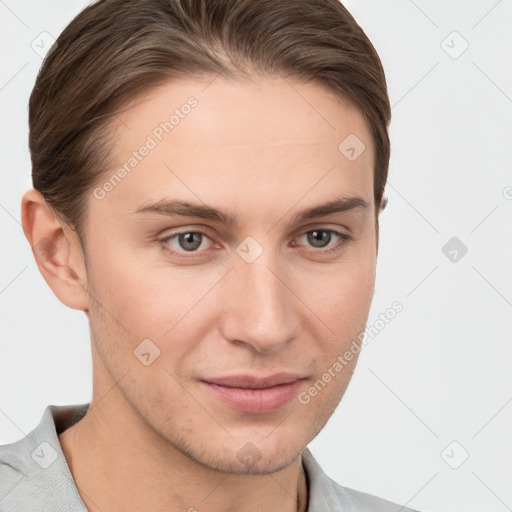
326 495
34 474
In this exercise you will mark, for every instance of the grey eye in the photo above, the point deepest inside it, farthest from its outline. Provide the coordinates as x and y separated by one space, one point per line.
319 237
190 241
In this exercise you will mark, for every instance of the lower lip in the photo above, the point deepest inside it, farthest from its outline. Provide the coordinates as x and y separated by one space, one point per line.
256 401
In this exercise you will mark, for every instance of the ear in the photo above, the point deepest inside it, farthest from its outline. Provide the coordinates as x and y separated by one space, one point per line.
383 205
57 251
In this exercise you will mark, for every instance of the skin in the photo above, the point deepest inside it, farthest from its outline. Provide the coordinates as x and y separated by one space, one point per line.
263 150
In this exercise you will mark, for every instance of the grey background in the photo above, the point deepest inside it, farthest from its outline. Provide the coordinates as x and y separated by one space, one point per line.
439 372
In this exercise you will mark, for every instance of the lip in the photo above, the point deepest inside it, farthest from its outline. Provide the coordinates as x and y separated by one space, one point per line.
253 394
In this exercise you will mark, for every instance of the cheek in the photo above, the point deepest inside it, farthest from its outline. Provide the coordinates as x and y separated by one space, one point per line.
149 300
126 283
342 304
342 296
126 314
354 292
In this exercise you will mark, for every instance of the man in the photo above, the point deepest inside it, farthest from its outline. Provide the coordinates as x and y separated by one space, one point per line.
208 177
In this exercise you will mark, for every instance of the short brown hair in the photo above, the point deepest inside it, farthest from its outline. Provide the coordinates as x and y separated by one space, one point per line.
115 50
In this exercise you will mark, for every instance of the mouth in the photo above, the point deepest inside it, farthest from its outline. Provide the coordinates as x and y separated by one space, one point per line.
253 394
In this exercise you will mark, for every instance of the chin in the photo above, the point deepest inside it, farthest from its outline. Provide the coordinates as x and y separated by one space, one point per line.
254 462
244 457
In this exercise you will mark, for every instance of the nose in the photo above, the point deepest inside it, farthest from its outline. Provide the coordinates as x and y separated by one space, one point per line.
260 309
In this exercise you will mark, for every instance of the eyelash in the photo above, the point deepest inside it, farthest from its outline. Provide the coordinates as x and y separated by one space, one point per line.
344 238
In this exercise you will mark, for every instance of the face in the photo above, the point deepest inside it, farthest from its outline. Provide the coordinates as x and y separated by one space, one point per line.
225 302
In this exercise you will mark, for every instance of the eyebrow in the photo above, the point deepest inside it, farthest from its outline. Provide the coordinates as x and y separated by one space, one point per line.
187 209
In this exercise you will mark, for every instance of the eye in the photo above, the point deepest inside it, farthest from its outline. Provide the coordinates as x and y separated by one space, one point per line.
320 239
186 241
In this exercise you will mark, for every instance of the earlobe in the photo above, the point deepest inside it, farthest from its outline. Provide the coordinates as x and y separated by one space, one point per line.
57 251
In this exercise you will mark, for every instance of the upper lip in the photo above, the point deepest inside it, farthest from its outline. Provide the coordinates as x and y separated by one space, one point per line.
254 382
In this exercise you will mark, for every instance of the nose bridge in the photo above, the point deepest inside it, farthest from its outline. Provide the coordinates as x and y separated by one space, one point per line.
260 310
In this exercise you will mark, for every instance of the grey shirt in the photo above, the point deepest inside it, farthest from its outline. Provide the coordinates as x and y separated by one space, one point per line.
35 476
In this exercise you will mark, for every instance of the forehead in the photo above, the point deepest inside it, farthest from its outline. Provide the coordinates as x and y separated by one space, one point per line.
215 137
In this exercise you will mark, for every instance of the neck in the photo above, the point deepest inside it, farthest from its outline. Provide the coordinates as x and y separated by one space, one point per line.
119 463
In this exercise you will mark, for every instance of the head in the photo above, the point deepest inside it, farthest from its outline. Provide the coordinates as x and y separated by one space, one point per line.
208 180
